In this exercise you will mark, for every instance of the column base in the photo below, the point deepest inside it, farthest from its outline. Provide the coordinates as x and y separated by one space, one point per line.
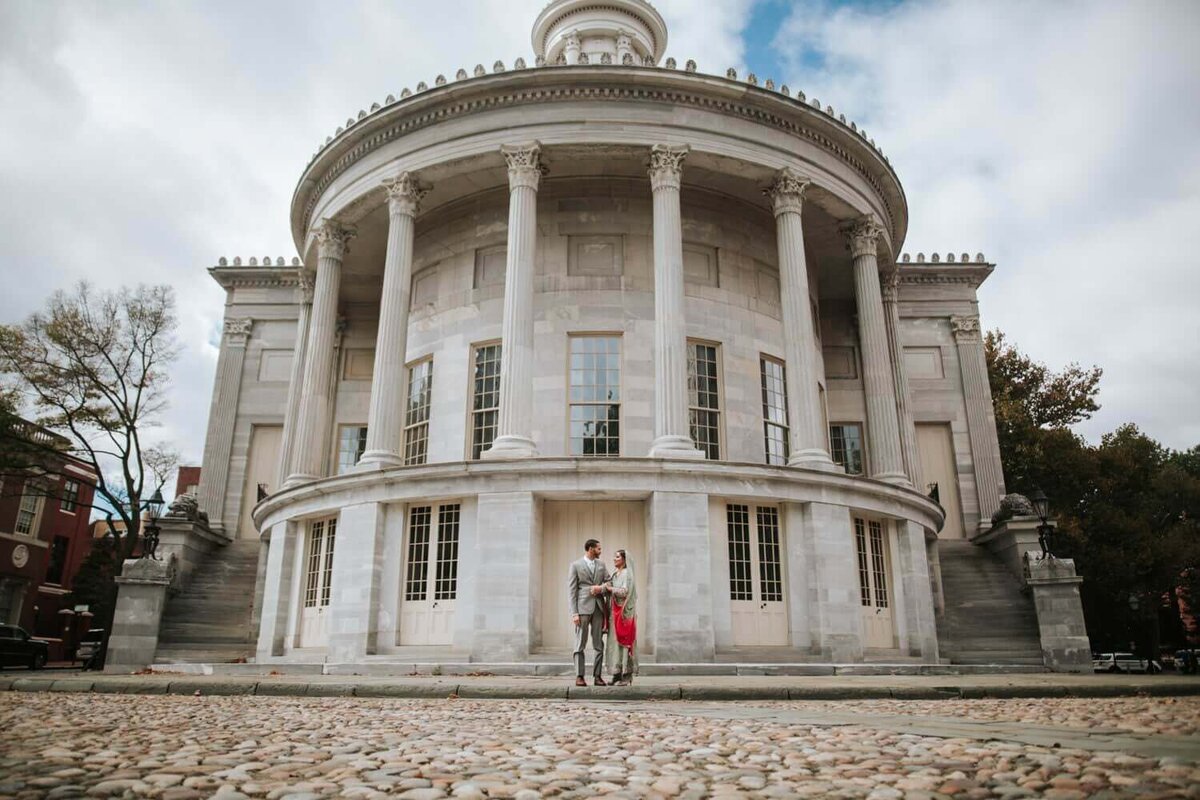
509 447
817 460
378 459
297 479
675 447
894 478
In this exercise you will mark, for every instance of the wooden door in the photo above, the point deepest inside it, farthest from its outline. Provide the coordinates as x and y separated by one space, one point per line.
618 525
430 575
318 572
262 468
874 583
935 446
757 607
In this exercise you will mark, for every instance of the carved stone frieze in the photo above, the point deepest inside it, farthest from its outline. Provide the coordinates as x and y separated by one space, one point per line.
524 164
862 235
666 166
965 328
404 193
787 192
333 239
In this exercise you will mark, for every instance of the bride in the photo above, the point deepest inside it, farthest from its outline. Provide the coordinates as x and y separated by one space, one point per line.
622 629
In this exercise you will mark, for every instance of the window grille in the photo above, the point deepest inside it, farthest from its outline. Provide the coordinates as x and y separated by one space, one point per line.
847 446
446 578
485 403
774 411
741 585
70 496
595 396
417 575
704 414
416 416
352 443
770 570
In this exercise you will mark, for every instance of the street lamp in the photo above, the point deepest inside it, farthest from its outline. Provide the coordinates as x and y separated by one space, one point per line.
1041 507
150 537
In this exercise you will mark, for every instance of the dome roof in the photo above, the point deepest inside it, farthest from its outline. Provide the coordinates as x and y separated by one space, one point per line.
566 28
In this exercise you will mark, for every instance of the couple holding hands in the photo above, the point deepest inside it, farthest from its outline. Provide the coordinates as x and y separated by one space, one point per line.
602 603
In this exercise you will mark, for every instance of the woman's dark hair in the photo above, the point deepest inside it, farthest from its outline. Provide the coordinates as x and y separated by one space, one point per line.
621 553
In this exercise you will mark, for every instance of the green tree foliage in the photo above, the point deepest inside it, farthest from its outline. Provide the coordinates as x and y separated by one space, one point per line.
1127 509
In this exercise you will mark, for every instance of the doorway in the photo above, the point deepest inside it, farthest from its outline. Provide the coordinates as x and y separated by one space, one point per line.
430 586
262 469
874 583
318 584
935 446
757 609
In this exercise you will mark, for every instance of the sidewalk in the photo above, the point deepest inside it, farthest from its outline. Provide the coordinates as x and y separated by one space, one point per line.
674 687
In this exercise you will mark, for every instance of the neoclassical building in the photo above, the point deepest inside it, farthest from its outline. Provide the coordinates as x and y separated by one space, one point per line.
600 295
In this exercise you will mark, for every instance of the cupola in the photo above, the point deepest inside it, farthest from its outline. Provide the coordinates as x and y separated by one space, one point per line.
585 31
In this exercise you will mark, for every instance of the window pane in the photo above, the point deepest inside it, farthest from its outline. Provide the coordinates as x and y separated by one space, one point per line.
704 418
879 572
70 496
846 442
352 442
316 538
770 569
737 519
446 581
595 393
416 576
864 572
486 398
774 410
416 417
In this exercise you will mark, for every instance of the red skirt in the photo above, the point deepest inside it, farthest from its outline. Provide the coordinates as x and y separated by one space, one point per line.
626 629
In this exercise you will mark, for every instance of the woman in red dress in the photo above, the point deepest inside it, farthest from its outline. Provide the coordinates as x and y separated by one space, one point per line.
622 629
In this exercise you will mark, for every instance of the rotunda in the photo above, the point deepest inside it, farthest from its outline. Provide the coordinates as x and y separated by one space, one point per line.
600 295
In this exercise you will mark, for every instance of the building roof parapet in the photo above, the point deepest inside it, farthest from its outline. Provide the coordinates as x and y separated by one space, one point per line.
972 272
237 274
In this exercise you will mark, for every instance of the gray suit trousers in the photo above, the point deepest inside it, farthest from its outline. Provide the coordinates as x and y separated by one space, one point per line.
593 623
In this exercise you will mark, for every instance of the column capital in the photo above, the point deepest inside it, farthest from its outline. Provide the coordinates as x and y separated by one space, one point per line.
965 328
525 166
307 282
237 330
666 166
787 192
862 235
333 239
404 194
889 284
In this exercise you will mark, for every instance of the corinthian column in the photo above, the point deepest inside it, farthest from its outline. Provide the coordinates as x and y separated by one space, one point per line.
385 420
218 444
672 438
908 432
514 424
806 436
313 419
883 429
981 416
296 379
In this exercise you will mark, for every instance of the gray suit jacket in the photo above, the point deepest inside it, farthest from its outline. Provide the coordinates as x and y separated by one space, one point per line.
580 580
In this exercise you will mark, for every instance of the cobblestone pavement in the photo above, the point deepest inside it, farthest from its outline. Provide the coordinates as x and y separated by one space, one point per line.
178 747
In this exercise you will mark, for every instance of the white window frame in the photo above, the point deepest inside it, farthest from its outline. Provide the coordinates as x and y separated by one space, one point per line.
862 441
34 514
338 467
70 496
768 423
618 402
416 426
694 409
475 453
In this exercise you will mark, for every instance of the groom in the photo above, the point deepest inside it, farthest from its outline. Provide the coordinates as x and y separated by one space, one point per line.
589 608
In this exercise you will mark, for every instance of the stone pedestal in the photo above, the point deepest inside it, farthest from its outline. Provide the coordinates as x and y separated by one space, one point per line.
503 608
190 541
357 567
1009 540
141 596
679 610
1065 644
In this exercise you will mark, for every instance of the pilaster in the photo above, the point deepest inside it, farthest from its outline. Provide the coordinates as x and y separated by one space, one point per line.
501 588
357 569
385 421
679 592
515 418
981 416
835 618
805 430
222 416
883 430
672 436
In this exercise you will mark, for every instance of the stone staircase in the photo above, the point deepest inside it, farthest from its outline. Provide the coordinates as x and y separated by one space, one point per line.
989 619
211 620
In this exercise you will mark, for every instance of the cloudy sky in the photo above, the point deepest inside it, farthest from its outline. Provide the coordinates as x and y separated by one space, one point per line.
140 141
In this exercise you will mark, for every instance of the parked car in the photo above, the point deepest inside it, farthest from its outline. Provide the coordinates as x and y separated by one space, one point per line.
1185 661
19 649
1124 662
91 648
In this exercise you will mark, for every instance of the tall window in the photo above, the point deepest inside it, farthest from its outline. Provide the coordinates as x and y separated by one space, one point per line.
416 416
57 559
70 496
27 512
704 409
774 411
352 443
595 401
485 402
872 569
319 572
846 442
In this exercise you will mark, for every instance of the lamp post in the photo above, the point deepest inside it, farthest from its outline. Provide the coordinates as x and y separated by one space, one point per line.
150 533
1041 507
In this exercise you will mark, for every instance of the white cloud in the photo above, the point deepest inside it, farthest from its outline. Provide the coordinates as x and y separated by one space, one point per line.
1061 139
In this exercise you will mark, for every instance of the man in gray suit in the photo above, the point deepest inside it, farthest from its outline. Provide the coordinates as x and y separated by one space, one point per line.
589 608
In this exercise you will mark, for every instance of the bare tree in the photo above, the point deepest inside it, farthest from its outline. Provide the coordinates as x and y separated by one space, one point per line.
94 367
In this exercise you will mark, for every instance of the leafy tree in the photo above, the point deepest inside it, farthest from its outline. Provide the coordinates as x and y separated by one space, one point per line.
93 366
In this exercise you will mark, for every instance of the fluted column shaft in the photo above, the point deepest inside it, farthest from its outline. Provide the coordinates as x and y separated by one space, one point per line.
313 420
883 429
672 438
296 379
981 416
385 420
904 411
218 444
806 436
514 425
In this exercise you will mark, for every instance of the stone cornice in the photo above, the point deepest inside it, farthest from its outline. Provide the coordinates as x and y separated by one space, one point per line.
256 277
972 275
657 85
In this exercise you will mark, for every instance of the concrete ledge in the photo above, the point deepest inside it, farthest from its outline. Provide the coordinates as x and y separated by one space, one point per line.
129 686
72 685
327 690
688 692
210 688
537 692
839 693
436 691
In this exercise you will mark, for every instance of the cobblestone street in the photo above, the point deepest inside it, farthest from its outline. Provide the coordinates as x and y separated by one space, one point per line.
177 747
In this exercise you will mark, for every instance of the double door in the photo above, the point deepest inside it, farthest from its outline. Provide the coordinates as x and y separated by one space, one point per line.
875 600
430 575
318 574
758 612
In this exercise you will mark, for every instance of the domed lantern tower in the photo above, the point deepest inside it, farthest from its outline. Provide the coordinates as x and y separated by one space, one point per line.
599 296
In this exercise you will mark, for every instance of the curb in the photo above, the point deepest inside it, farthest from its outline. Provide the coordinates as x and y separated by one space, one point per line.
686 692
